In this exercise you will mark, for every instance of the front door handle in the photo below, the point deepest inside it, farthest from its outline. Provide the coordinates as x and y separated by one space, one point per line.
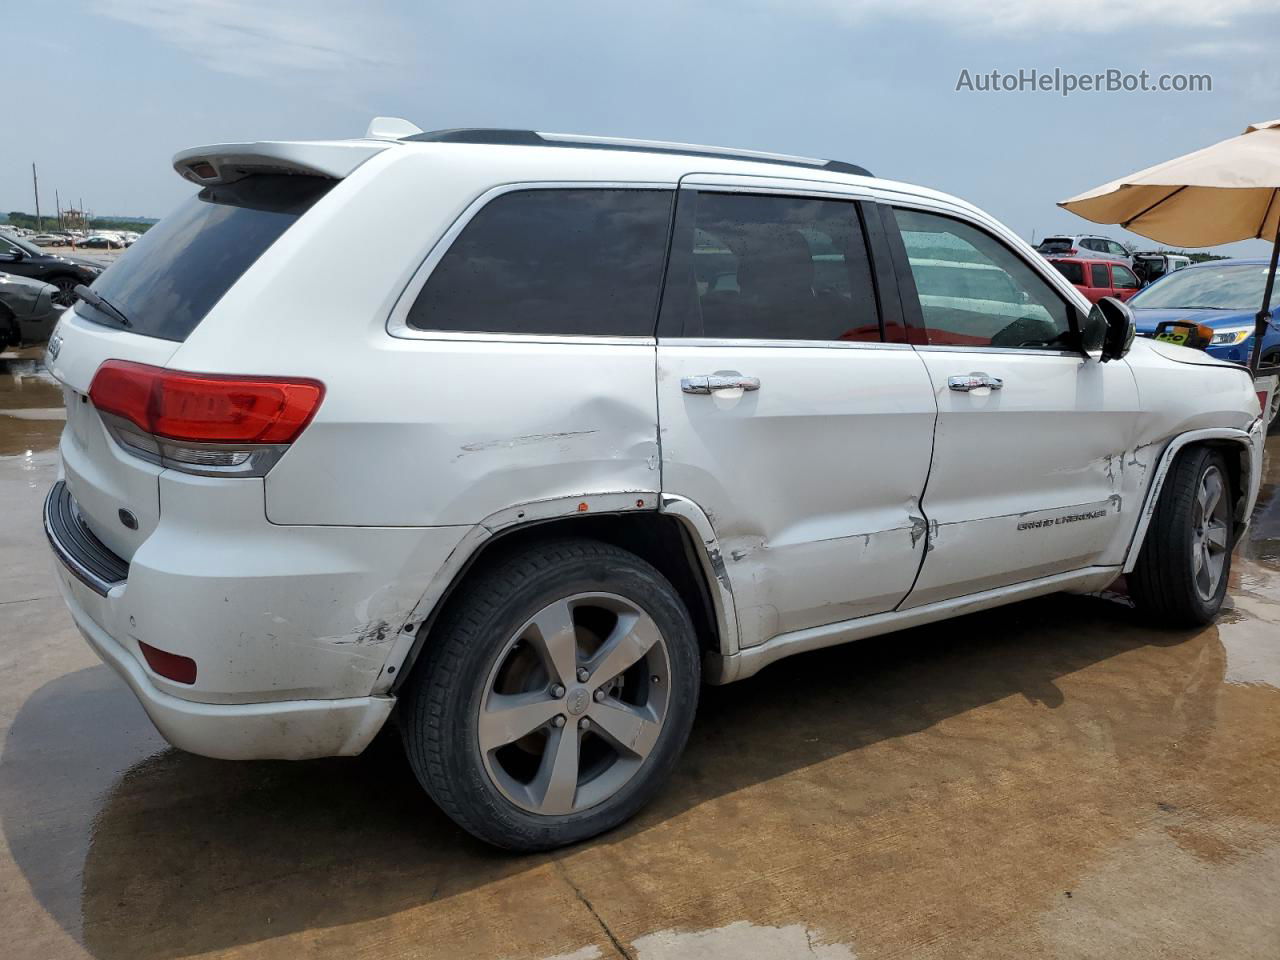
710 384
974 381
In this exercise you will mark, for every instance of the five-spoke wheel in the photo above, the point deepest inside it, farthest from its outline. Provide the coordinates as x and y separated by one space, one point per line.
554 694
1181 575
575 703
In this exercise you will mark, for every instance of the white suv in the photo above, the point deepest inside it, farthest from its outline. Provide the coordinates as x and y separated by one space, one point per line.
523 436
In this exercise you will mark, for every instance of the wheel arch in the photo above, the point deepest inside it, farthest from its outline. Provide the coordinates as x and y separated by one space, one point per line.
671 533
1243 469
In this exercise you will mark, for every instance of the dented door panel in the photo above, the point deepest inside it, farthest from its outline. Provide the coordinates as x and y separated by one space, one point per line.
812 482
1037 478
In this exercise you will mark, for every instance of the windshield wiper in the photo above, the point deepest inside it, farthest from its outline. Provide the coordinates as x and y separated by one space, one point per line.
1201 307
96 300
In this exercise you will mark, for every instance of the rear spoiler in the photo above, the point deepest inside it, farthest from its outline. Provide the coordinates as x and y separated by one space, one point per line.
228 162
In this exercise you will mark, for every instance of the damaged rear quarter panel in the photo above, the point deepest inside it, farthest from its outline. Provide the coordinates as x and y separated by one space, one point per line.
448 432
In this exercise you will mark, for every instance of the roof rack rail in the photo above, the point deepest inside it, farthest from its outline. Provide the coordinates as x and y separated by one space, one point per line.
534 138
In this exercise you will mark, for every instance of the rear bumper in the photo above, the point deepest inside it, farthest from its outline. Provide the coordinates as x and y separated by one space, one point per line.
283 730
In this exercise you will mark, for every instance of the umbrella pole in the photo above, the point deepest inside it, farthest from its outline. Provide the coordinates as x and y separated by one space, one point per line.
1264 315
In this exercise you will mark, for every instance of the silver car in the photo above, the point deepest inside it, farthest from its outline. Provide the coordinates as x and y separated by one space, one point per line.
27 310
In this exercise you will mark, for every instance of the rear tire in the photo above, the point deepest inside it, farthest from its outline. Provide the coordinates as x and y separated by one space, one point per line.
1181 575
543 632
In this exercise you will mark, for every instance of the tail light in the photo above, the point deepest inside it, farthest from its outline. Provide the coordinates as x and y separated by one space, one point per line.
203 423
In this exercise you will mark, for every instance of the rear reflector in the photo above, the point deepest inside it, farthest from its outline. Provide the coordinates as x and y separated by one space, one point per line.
204 407
171 665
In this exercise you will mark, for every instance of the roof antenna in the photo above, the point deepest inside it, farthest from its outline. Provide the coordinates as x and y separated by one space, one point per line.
390 128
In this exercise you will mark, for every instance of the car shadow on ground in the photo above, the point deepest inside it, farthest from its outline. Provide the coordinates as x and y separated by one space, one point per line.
142 851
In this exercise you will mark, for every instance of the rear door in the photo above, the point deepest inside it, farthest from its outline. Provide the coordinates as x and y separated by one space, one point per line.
802 434
1100 281
1028 452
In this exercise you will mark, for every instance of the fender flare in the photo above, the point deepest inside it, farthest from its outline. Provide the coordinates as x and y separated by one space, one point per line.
413 633
1250 442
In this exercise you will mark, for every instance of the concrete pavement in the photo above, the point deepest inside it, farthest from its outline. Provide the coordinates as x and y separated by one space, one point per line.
1049 780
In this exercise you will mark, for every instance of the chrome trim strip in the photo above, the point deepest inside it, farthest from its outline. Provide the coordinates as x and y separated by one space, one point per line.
730 343
998 351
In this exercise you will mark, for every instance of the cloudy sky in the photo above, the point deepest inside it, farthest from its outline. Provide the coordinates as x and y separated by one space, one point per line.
103 92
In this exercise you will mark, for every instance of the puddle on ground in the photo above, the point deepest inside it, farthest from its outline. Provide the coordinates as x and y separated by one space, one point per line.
31 408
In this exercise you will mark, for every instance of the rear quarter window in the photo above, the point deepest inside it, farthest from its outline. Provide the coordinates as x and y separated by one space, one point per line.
581 262
1074 272
170 279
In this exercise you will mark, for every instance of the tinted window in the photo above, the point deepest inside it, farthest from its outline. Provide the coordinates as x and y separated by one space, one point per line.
167 281
1099 274
1116 249
975 291
771 268
1056 245
586 262
1071 269
1124 278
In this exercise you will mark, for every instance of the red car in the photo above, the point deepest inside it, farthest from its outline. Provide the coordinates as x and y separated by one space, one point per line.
1098 278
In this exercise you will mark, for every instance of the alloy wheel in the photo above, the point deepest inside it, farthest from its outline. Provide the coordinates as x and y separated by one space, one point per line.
1211 533
574 704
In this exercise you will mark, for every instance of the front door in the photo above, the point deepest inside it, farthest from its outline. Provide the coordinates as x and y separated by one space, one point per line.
1029 449
783 414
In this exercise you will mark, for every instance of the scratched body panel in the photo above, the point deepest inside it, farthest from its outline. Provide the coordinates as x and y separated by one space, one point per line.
1048 446
811 482
507 423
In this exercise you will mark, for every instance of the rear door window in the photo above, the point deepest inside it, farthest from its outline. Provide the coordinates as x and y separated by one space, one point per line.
578 262
167 281
762 267
1099 273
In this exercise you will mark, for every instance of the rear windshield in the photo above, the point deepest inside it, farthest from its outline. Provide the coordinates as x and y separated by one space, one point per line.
1055 245
1071 269
167 281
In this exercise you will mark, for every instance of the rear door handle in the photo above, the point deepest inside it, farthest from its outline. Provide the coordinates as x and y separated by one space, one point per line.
974 381
710 384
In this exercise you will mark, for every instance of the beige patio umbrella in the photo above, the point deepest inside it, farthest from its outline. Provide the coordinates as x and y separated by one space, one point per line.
1223 193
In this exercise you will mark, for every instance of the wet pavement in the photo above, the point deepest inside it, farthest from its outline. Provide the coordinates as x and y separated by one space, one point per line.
1048 780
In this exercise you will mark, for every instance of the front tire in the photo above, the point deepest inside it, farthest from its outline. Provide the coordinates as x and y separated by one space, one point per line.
1181 575
555 695
66 295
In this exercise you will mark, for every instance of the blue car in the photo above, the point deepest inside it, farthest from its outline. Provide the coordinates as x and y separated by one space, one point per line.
1223 294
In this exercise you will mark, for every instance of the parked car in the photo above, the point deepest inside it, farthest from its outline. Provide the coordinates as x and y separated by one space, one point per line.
46 240
100 242
1084 245
1150 267
1098 278
457 424
28 311
1222 294
24 259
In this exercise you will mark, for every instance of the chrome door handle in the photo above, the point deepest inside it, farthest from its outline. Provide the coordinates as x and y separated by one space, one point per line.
709 384
974 381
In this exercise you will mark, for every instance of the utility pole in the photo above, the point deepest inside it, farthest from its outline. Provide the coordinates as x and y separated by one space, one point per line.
35 186
57 206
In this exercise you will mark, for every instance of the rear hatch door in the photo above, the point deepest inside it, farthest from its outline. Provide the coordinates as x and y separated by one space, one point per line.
163 286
